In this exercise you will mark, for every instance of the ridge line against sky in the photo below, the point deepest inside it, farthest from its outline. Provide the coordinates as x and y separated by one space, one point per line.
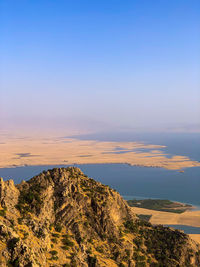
100 65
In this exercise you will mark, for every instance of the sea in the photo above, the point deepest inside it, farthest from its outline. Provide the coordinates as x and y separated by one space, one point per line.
134 182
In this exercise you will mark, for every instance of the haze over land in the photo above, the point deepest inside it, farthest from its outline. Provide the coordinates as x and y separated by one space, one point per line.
72 68
99 65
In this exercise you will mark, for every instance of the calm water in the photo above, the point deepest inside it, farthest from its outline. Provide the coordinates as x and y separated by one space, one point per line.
185 144
131 181
139 182
187 229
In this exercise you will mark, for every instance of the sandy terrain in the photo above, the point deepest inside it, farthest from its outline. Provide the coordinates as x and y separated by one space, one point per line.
190 218
50 150
195 237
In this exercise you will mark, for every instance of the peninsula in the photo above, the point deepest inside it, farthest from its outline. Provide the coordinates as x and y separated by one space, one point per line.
56 150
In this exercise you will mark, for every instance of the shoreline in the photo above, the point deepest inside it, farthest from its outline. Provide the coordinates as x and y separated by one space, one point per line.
16 152
191 206
92 163
10 175
98 163
187 218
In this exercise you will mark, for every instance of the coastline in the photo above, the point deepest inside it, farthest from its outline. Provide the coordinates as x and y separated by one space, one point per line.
192 206
188 218
171 166
53 150
159 182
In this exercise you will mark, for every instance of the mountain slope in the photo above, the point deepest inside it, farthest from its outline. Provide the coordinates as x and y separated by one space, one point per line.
63 218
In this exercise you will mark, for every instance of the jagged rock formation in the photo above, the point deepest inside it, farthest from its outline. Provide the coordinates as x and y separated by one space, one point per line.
63 218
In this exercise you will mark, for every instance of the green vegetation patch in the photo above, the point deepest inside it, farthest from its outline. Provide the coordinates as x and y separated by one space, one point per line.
159 204
30 199
58 228
67 243
131 226
12 243
53 252
144 217
3 212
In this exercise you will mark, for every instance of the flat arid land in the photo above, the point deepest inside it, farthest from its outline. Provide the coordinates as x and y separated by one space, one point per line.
189 217
52 150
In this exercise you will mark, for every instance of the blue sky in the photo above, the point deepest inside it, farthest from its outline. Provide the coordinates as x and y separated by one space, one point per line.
101 64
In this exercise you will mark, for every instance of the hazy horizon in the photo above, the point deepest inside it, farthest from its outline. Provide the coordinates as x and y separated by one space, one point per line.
100 66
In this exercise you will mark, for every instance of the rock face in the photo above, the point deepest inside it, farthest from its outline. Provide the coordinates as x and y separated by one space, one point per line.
63 218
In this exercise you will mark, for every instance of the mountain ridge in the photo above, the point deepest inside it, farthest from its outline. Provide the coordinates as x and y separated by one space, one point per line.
63 218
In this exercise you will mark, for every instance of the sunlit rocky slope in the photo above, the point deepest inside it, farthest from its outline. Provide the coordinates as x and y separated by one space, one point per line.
63 218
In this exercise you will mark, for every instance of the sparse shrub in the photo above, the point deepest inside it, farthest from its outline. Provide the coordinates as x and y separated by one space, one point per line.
89 251
141 264
55 235
121 234
138 241
131 226
58 228
55 258
92 260
65 247
66 235
67 242
128 253
14 263
3 212
50 226
54 240
12 222
25 235
19 220
12 243
40 233
104 204
53 252
103 236
86 224
90 240
112 239
100 249
29 199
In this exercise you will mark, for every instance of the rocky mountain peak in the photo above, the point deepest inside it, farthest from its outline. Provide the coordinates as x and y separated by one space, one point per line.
63 218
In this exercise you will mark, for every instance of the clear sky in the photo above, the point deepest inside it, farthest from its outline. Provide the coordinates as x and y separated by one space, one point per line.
100 64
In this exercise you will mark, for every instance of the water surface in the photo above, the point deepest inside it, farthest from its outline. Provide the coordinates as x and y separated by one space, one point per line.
131 181
187 229
185 144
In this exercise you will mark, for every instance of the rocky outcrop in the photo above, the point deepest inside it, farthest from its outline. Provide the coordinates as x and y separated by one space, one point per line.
8 194
63 218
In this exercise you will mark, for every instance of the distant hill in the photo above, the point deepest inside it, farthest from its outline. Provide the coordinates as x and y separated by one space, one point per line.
63 218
